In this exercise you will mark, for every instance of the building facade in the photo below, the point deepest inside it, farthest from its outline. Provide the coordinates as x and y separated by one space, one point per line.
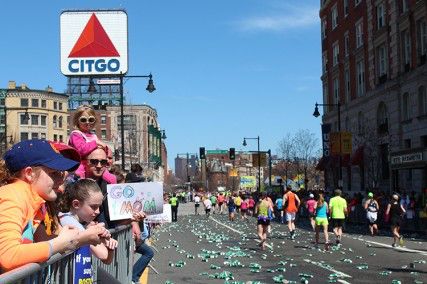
29 114
374 67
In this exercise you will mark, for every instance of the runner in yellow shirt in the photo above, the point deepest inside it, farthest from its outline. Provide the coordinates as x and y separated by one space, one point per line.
338 209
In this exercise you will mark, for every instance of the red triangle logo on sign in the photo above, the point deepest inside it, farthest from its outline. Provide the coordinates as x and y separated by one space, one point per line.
94 41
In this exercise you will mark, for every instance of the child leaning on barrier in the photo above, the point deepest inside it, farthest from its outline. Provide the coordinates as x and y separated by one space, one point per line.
83 199
31 173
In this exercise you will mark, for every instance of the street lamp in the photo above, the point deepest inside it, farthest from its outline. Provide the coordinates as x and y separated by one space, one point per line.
316 113
259 160
150 88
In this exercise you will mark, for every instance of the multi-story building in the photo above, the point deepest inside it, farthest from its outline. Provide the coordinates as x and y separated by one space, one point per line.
373 65
27 114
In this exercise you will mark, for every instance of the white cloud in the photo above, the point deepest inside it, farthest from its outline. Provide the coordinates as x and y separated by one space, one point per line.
290 17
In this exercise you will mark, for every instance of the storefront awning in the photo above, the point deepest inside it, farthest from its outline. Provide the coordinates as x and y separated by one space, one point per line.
322 164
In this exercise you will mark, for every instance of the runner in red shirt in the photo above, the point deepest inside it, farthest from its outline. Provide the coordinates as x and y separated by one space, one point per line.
292 202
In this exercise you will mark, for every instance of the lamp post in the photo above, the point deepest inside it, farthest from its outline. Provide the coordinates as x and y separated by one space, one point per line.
316 113
259 160
150 88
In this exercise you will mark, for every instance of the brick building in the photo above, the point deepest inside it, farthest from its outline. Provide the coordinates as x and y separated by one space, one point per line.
373 65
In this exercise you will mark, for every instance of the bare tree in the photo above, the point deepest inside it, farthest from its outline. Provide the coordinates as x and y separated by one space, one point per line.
306 145
286 152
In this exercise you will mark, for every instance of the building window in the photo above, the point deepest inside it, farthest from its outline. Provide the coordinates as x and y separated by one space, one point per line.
360 71
60 106
359 34
336 90
43 103
422 100
334 17
335 53
380 16
347 123
34 120
103 134
406 50
34 135
55 105
323 27
346 44
325 93
43 135
382 60
35 102
345 7
103 119
405 106
24 120
55 137
43 120
347 85
61 138
405 6
324 62
60 122
421 41
423 141
24 103
360 125
55 122
407 143
382 121
24 136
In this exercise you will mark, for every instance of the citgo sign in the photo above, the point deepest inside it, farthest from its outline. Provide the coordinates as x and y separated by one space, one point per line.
94 42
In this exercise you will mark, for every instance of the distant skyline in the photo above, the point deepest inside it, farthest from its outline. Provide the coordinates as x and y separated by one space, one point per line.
223 70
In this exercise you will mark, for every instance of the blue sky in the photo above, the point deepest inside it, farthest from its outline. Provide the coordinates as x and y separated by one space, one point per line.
223 69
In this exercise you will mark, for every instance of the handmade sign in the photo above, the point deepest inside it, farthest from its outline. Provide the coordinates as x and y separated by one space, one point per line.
124 199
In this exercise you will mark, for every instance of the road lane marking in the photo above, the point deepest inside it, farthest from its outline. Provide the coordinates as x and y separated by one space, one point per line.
241 233
339 273
396 248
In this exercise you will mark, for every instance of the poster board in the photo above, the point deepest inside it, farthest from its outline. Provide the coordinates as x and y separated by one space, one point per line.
165 217
124 199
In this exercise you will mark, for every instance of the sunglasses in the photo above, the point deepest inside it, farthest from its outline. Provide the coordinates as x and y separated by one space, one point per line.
84 119
95 162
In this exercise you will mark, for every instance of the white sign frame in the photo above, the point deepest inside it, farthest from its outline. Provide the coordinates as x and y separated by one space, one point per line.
127 198
72 24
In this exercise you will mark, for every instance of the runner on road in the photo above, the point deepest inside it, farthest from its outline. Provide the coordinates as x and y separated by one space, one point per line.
263 220
292 202
231 207
321 212
213 201
395 211
338 209
372 208
311 208
196 204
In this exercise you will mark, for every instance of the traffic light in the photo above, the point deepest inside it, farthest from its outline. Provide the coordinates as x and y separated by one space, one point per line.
202 153
232 153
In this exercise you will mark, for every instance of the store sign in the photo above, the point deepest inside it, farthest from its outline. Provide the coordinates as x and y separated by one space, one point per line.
94 42
407 158
326 130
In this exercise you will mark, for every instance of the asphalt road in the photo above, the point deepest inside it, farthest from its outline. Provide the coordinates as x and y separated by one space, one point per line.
200 250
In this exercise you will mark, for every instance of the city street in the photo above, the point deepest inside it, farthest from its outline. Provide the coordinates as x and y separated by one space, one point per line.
201 250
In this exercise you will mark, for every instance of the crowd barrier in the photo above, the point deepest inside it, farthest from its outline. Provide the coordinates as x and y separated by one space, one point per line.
60 268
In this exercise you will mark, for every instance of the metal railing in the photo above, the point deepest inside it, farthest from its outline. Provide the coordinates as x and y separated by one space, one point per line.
60 268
